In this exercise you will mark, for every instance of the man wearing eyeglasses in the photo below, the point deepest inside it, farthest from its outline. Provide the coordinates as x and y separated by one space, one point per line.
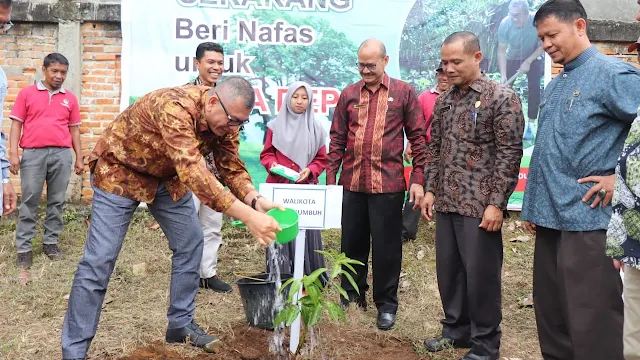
9 197
152 153
519 50
209 61
367 139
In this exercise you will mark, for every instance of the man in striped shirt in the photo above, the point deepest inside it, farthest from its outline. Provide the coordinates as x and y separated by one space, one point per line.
367 140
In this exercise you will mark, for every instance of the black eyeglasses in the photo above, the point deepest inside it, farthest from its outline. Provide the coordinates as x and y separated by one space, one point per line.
232 121
371 67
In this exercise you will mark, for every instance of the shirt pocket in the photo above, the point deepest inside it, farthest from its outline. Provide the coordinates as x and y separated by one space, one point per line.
394 111
480 130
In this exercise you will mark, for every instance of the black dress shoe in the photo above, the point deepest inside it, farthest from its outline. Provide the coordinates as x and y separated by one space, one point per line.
360 301
215 284
441 343
472 356
196 336
386 320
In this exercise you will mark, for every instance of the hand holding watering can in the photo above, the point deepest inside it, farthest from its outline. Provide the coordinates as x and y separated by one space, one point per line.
284 220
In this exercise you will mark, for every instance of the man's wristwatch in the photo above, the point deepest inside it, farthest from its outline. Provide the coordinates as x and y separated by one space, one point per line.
255 201
6 181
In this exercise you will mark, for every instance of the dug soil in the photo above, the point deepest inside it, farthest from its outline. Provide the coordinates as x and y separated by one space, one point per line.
248 343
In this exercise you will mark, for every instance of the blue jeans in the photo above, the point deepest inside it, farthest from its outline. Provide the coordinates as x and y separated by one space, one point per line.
110 218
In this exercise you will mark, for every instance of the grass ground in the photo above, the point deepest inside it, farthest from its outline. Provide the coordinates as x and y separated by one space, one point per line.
133 315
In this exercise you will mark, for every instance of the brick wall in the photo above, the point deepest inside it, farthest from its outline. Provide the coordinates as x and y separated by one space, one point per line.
21 60
21 54
100 101
614 49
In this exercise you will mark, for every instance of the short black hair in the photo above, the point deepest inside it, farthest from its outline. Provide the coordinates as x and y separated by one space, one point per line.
469 39
564 10
5 3
208 46
55 58
236 87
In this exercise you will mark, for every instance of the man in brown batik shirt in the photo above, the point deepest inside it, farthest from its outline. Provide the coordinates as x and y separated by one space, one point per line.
474 159
152 152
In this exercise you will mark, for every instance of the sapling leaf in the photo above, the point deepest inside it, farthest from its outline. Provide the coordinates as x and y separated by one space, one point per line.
306 312
309 279
348 266
336 270
324 253
295 289
335 311
314 292
314 316
341 291
286 315
351 261
351 281
284 285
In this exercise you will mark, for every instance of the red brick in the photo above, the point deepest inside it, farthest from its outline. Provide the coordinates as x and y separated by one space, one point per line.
110 108
93 48
104 101
102 57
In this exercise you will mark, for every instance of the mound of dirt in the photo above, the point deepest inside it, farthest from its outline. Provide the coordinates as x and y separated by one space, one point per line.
247 343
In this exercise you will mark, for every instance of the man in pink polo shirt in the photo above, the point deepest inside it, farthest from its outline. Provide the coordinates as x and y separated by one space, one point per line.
46 120
410 217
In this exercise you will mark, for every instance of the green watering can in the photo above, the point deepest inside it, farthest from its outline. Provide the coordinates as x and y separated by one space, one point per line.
288 220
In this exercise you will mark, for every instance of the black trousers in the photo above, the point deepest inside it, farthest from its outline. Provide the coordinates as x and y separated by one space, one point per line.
469 265
374 221
534 76
577 295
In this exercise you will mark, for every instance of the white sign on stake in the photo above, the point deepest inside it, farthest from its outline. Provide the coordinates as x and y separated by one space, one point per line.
318 206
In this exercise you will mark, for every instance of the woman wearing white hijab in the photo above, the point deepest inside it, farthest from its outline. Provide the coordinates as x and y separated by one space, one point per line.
297 141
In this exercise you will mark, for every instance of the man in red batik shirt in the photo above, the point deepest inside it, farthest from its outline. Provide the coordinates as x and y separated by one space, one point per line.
367 140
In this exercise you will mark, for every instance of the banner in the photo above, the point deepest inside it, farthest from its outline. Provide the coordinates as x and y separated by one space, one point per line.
273 43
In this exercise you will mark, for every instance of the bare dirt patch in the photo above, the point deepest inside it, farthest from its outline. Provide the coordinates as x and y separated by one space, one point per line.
133 320
247 343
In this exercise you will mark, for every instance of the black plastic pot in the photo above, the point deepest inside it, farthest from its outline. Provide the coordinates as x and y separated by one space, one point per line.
259 297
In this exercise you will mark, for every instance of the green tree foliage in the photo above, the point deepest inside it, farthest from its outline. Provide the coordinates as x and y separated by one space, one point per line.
431 21
329 62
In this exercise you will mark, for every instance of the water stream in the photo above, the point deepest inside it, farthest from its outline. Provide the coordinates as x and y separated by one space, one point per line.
277 339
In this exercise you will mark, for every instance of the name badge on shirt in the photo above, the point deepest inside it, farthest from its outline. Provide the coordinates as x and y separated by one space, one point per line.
359 106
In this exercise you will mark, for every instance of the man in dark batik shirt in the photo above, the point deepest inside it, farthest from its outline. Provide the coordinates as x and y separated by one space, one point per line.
209 61
367 140
474 159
